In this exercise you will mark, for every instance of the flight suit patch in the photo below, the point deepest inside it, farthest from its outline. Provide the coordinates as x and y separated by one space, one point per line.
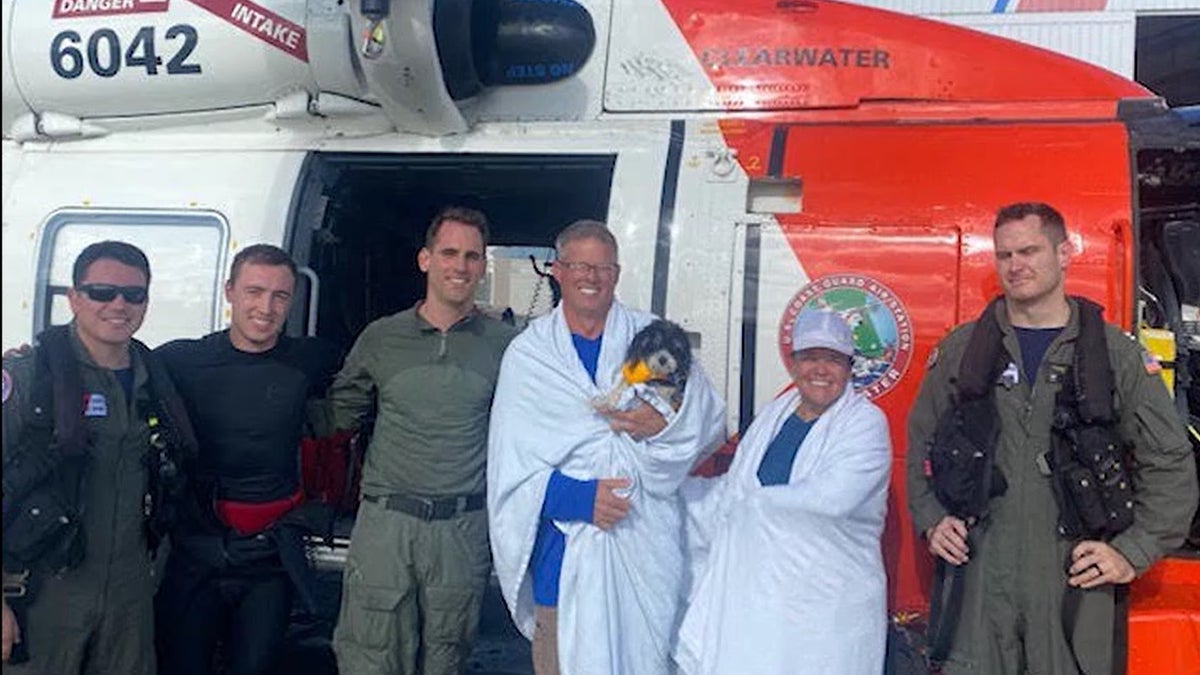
1011 376
1153 367
95 405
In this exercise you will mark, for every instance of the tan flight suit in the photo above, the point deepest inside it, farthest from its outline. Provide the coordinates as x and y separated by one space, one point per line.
99 617
1011 619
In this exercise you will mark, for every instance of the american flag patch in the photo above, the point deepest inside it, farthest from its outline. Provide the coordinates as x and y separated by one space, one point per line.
1153 367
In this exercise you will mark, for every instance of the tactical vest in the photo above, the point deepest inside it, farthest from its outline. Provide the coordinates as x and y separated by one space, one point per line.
1087 459
1091 481
44 474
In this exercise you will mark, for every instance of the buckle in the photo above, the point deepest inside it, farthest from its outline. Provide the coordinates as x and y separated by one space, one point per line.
428 508
417 507
16 584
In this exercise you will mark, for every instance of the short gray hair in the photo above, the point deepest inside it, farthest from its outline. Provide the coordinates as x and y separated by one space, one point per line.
585 229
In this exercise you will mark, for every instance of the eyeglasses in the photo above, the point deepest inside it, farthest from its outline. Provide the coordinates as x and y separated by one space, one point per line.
134 295
582 268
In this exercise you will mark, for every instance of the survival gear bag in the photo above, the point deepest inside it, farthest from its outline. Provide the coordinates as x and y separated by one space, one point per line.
1087 458
44 474
962 467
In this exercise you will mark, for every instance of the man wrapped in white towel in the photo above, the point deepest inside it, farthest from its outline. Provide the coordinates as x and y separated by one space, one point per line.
586 520
785 547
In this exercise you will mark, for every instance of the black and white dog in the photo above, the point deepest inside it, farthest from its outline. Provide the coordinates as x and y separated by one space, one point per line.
656 368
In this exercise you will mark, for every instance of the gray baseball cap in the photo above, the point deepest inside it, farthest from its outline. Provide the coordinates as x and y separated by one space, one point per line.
822 328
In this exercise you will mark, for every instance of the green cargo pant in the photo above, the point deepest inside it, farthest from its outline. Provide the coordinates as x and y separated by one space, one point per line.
72 629
412 593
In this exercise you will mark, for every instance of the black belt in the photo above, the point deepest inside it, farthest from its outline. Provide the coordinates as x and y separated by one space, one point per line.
429 508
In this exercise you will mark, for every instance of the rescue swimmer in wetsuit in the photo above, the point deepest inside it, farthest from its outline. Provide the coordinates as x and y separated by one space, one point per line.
88 490
1040 593
237 557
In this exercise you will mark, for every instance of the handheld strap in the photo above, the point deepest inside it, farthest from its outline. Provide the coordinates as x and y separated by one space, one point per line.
1120 629
944 610
1120 642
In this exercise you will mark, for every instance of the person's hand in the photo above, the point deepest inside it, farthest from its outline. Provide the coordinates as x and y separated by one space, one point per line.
609 507
12 632
640 422
948 540
1094 563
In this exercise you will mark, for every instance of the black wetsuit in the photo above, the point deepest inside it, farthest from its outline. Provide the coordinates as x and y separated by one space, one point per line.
248 410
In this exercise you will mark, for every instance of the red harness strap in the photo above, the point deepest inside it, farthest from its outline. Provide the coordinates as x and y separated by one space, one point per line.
253 517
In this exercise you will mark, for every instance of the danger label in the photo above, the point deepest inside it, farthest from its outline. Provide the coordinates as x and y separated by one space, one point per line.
66 9
262 23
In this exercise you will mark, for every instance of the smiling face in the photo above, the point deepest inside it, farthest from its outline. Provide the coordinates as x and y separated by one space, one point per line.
453 265
1030 265
107 325
260 297
821 375
587 272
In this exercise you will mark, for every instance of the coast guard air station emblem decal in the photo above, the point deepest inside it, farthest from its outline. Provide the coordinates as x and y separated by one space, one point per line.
882 331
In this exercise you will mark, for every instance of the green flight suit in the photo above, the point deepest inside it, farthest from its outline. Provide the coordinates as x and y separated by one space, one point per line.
1011 619
413 588
99 617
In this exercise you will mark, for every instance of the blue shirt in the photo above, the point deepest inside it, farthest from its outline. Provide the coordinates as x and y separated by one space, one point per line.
589 352
1034 342
776 466
566 499
125 378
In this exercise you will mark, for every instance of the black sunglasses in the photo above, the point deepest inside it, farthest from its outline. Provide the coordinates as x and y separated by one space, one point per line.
134 295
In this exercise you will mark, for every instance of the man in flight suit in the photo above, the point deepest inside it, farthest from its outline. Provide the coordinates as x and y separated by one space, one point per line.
419 558
1018 566
97 616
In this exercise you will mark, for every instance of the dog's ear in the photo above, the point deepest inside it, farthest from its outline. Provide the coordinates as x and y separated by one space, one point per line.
646 341
680 346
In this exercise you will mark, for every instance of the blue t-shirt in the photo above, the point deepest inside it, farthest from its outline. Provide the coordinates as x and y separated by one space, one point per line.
1034 342
566 499
589 352
776 466
125 379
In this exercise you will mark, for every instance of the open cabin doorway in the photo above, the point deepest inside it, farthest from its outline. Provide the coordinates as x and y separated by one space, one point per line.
360 220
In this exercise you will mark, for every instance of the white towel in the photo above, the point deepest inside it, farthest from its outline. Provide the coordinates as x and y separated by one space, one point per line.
789 579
